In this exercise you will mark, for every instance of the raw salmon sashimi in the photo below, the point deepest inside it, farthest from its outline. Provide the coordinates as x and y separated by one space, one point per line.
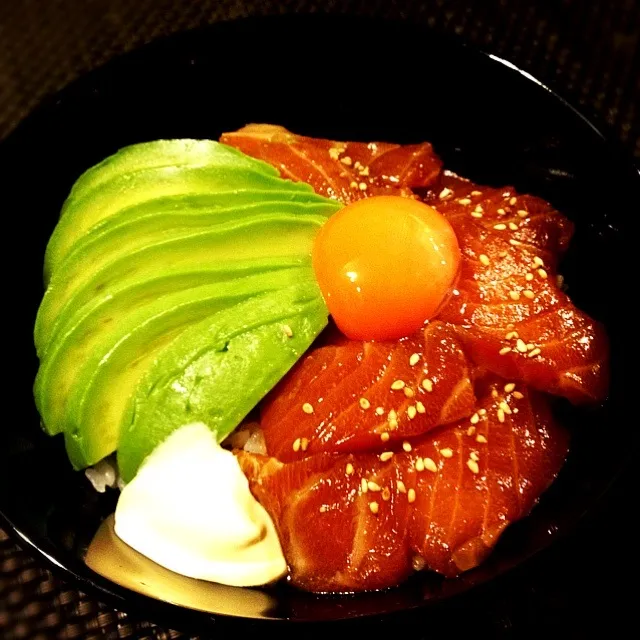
511 313
353 395
350 522
345 171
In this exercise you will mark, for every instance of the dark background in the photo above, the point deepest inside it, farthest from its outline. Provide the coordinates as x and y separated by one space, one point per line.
586 50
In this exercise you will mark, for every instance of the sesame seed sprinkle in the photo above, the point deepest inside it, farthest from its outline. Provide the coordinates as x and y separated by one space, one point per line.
414 359
411 412
384 436
287 330
471 430
521 346
476 214
542 273
406 446
505 407
534 353
446 452
514 295
475 192
484 259
392 416
504 351
386 455
509 387
364 487
430 465
364 403
494 393
500 226
346 160
538 261
373 486
475 418
482 412
427 385
444 193
529 277
411 496
473 466
464 201
500 415
527 293
474 456
517 395
501 212
374 507
304 444
515 243
408 391
419 464
379 411
296 445
400 487
513 200
513 226
522 213
512 335
324 508
396 385
307 408
349 469
420 407
481 439
362 186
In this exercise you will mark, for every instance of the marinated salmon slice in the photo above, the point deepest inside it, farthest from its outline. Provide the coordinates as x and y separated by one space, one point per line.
345 171
350 522
353 395
515 321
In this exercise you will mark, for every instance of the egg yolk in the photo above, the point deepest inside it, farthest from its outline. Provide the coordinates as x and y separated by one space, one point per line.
384 265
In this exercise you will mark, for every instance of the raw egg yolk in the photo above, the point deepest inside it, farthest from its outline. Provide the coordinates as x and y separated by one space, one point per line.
384 265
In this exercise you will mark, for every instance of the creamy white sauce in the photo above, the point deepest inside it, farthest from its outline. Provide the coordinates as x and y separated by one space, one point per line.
189 509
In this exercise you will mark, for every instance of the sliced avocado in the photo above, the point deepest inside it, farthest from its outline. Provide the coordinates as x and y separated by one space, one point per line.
90 345
144 225
83 212
158 154
97 406
216 371
115 264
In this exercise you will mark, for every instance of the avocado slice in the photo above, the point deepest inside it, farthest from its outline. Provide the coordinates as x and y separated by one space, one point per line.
144 225
115 264
90 206
97 341
217 370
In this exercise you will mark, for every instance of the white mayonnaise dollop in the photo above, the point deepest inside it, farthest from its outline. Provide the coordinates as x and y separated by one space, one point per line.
189 509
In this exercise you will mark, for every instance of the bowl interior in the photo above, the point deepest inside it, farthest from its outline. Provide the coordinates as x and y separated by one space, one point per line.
343 79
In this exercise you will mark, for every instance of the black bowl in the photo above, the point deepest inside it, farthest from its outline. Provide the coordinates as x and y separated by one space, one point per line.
344 79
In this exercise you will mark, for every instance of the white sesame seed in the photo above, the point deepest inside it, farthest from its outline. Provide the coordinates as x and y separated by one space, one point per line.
384 436
353 184
364 487
481 439
386 455
517 395
505 407
474 456
419 464
514 295
521 346
392 416
287 330
379 411
420 407
482 412
362 186
530 346
414 359
534 353
509 387
500 415
346 160
304 444
296 445
484 259
542 273
529 277
475 192
349 469
513 200
522 213
513 226
427 384
476 214
464 201
527 293
500 227
538 261
411 412
504 351
512 335
501 212
400 486
411 496
471 430
364 403
408 391
446 452
396 385
324 508
430 465
475 418
406 446
307 408
373 486
374 507
444 193
515 243
473 466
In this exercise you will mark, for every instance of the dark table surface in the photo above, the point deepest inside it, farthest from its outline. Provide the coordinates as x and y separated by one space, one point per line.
587 50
